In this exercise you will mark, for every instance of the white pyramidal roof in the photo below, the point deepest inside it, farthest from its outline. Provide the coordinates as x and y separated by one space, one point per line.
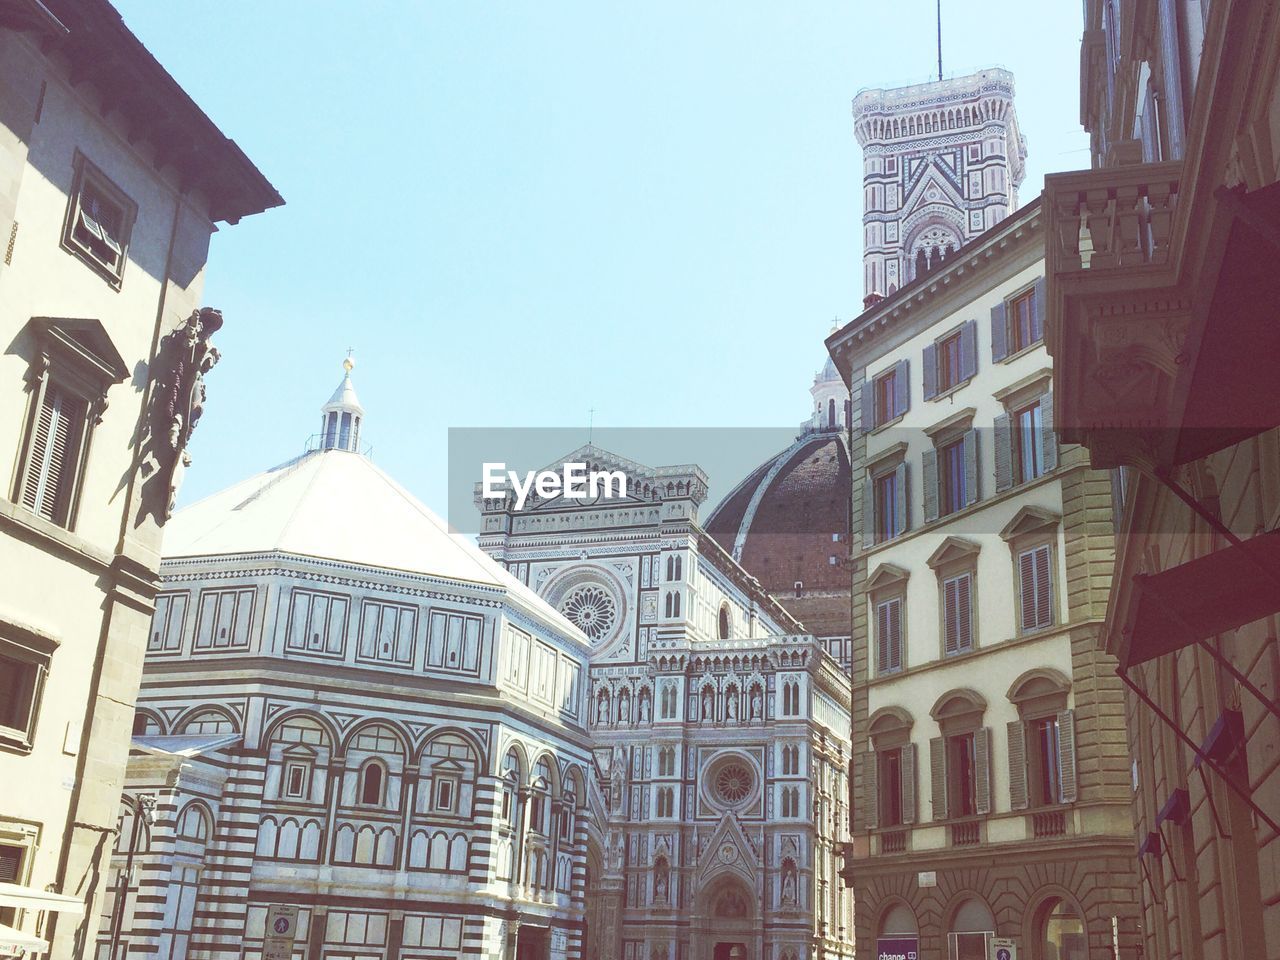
336 505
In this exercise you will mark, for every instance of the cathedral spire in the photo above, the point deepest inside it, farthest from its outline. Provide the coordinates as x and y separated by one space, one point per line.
342 415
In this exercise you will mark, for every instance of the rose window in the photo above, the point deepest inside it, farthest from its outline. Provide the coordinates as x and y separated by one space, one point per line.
592 610
733 782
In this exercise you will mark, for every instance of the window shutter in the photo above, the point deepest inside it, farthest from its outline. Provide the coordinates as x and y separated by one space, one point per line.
999 332
868 513
930 463
1004 452
54 448
971 491
909 783
982 770
950 607
1027 589
1048 439
901 388
938 777
1067 755
930 371
964 612
882 637
1044 588
867 396
902 516
969 350
895 634
871 788
1037 312
1017 765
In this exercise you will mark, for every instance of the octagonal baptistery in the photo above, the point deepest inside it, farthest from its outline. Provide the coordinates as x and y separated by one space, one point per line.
349 709
787 522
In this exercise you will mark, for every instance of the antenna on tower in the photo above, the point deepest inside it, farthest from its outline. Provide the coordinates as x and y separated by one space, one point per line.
939 41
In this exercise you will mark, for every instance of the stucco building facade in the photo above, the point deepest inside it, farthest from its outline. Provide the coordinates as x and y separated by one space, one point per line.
111 182
990 774
1162 290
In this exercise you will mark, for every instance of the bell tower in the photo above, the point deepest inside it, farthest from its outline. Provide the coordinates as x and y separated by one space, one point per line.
942 162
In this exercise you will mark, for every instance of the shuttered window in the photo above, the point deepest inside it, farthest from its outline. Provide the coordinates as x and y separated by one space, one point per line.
1042 761
957 613
951 477
890 787
11 860
889 635
53 455
1035 588
22 673
1018 323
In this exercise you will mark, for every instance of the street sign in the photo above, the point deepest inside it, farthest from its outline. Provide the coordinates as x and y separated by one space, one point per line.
927 878
282 927
897 948
1002 948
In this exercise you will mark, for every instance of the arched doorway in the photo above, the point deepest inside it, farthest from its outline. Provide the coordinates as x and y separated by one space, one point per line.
725 922
1059 932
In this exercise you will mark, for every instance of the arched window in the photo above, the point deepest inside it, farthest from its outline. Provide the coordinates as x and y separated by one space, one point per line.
372 782
510 786
668 702
193 824
145 725
671 568
724 621
668 606
831 412
679 568
666 762
675 606
666 802
540 798
971 927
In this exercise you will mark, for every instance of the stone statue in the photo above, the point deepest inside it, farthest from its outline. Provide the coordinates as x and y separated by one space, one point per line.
624 707
618 777
644 707
731 706
602 709
182 400
789 884
755 704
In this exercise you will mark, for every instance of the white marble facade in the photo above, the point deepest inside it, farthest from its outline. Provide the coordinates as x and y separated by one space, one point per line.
719 728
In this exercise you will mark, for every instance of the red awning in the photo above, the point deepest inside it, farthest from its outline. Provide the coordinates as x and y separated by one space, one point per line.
1203 597
1233 393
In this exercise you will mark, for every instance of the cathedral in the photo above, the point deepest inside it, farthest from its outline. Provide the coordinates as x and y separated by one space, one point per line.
596 736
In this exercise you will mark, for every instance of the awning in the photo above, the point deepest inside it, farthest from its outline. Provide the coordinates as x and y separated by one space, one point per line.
1232 394
1203 597
15 941
30 898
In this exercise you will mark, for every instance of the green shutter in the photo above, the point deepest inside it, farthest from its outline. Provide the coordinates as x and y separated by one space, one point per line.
938 777
1017 765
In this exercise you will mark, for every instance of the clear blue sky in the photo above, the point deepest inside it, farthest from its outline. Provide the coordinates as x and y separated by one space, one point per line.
516 211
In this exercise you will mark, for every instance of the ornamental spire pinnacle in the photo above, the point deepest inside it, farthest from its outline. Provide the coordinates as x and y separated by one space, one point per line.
342 415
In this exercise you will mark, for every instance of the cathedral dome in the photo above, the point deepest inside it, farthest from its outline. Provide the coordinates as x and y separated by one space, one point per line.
786 523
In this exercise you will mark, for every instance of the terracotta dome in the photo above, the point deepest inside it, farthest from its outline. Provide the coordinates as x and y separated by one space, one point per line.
786 521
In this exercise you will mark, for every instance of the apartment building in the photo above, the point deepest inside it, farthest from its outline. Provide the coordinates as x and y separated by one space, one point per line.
111 182
990 776
1162 283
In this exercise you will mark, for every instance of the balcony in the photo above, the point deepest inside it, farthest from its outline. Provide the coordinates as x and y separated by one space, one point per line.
965 833
894 841
1046 824
1159 312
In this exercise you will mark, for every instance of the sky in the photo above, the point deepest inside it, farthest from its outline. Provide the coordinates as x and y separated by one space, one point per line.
518 212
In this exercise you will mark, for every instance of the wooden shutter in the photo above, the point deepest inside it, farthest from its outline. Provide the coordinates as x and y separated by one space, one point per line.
1044 587
1004 452
867 396
1067 755
982 770
882 637
908 767
969 350
1037 312
901 388
902 516
999 332
1017 765
964 612
54 448
871 788
930 464
1048 439
930 371
971 475
938 777
1027 589
950 634
868 512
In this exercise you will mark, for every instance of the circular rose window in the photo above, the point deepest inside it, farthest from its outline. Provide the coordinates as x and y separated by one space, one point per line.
592 610
733 782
